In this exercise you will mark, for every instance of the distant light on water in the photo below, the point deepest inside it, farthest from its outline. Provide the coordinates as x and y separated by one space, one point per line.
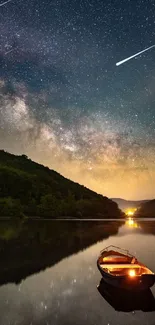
132 223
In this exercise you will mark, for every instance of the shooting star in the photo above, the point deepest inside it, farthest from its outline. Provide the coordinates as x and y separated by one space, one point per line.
10 51
133 56
4 3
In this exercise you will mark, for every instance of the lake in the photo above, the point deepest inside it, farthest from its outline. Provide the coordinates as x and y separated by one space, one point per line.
49 275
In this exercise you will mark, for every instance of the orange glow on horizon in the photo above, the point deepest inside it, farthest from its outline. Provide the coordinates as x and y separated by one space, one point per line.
130 212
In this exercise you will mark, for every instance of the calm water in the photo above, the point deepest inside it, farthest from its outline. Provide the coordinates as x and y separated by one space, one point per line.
49 276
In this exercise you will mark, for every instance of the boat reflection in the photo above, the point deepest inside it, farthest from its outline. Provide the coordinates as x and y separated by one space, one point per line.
127 301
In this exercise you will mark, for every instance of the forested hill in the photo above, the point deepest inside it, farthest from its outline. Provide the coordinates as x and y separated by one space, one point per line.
28 188
147 209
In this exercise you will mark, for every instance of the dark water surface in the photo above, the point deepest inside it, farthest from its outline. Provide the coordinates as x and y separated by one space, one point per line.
48 273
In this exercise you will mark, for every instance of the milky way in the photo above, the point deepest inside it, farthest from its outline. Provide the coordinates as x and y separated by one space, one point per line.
63 101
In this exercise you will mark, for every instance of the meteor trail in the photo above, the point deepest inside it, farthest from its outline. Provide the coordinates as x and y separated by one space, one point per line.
133 56
10 51
4 3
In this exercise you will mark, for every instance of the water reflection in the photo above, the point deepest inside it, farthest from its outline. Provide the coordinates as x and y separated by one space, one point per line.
64 292
29 247
130 222
140 226
126 301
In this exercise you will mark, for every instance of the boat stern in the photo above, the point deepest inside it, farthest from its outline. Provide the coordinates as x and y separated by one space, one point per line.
142 282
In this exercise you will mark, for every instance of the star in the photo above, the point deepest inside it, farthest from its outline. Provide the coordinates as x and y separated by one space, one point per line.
65 104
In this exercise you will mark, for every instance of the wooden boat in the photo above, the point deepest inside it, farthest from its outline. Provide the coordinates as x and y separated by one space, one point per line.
123 270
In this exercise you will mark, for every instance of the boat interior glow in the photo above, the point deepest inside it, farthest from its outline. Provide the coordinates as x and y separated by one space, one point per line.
118 267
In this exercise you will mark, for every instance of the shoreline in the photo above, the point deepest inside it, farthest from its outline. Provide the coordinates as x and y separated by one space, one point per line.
76 219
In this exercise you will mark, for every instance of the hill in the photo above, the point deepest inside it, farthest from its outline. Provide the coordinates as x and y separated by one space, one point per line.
28 188
147 209
125 204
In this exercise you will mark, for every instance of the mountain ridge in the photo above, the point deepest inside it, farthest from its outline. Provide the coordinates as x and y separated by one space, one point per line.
128 204
147 209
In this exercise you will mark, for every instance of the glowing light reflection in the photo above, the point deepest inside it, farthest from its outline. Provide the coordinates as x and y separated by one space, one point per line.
132 223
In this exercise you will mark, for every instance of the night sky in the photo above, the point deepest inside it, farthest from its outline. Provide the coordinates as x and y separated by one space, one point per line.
63 100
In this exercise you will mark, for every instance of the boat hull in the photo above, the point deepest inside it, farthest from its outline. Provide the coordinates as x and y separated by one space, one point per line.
142 282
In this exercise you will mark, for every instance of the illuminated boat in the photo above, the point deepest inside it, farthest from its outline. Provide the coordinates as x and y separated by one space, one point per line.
123 270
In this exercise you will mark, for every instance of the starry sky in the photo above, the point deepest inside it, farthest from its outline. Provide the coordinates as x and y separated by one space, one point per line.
63 100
